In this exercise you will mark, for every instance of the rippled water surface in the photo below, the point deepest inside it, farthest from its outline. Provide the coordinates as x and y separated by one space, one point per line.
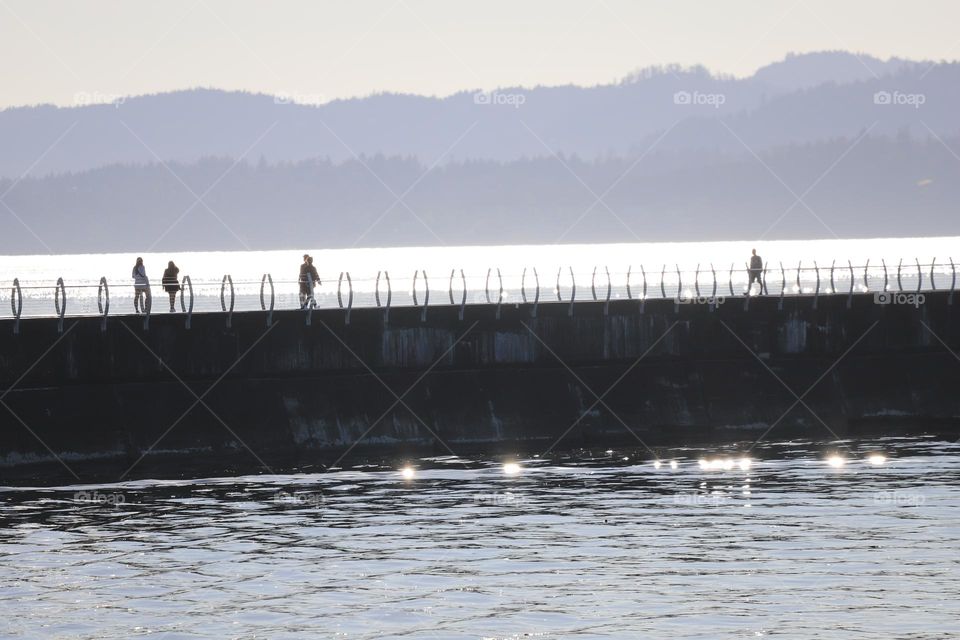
582 546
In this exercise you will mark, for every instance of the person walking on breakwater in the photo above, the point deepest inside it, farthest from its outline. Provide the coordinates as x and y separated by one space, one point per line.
141 288
756 273
309 278
171 283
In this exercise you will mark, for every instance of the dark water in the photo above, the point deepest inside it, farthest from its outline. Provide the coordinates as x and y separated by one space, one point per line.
581 547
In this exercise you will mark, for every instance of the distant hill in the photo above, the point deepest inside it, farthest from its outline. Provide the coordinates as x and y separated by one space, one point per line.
883 186
804 98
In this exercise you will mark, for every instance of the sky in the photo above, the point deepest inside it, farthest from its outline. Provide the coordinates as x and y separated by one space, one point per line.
65 52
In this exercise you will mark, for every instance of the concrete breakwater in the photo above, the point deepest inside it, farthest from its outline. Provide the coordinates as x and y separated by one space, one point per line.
312 389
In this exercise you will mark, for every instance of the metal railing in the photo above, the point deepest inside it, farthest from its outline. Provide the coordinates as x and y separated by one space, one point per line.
705 282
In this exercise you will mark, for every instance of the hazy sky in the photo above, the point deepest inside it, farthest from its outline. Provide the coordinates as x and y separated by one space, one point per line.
51 51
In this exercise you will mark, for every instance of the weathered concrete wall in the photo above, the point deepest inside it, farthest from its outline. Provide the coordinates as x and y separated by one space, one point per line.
298 394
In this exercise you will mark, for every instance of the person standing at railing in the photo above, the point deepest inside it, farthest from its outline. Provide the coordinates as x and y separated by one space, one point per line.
171 283
755 273
312 281
304 281
141 288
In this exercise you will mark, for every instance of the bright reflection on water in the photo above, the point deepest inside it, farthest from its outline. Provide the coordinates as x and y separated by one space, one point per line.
580 546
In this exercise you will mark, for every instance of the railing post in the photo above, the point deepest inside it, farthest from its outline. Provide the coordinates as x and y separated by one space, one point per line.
500 294
415 274
376 289
426 297
663 290
886 279
833 287
816 294
536 295
463 296
16 305
850 294
339 290
523 285
799 269
696 280
730 280
629 293
643 295
919 275
593 282
266 279
450 288
559 297
386 311
933 280
346 318
866 276
60 291
783 286
103 302
746 295
899 281
713 272
573 291
486 285
189 310
227 280
953 280
606 303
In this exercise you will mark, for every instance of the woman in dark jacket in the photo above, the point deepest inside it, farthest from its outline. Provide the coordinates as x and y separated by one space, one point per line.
171 284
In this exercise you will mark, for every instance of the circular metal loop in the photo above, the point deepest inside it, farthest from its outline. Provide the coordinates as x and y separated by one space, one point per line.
227 280
16 299
266 279
60 293
103 297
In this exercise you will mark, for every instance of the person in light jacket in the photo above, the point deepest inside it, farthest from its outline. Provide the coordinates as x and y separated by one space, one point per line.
171 283
141 288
